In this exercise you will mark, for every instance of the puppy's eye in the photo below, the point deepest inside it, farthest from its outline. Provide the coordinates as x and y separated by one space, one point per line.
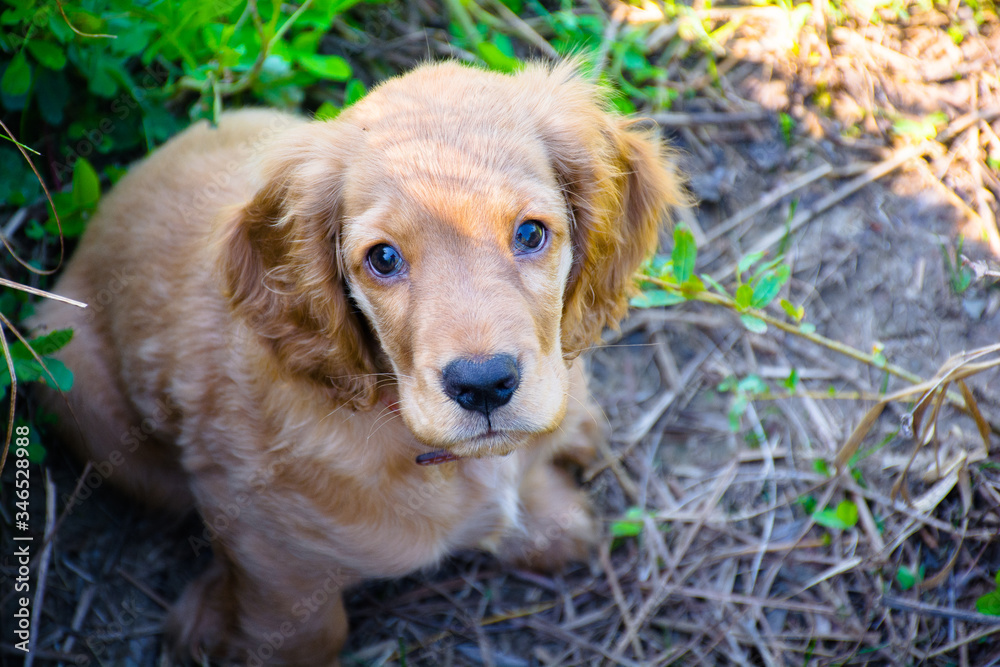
385 260
529 237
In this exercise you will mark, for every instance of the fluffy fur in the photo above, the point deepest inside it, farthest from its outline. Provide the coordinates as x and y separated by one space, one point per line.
241 356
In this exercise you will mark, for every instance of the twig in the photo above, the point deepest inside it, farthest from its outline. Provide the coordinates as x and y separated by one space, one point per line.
610 31
665 589
79 615
74 29
14 222
767 202
974 637
877 171
146 590
917 607
39 292
524 30
835 345
55 213
461 14
624 609
43 566
681 119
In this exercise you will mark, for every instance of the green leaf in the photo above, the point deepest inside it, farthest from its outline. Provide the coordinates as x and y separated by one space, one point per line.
63 376
919 129
808 328
847 512
808 503
989 603
52 94
793 311
47 54
767 288
631 524
307 42
684 254
748 261
829 519
36 453
660 266
333 68
17 78
714 284
744 295
655 298
27 369
51 342
791 383
355 91
34 230
86 184
753 384
787 124
905 578
753 324
822 467
327 111
494 56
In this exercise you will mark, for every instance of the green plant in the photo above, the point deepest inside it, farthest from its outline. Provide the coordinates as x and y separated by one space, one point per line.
631 524
128 71
959 276
744 391
907 578
990 602
32 361
842 517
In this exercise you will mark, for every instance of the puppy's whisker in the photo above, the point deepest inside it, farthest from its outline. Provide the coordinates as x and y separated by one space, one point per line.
392 415
351 398
383 376
583 404
605 346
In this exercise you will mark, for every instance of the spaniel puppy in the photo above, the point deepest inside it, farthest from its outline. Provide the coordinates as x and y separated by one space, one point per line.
350 344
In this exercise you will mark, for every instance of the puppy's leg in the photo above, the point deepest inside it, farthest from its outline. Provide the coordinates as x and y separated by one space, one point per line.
557 524
270 610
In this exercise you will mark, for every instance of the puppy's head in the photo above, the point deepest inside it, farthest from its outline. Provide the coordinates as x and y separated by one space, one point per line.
464 233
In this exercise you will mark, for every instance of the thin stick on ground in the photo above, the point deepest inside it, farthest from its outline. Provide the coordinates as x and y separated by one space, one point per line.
43 566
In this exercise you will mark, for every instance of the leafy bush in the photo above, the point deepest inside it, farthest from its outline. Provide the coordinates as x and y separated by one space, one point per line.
119 77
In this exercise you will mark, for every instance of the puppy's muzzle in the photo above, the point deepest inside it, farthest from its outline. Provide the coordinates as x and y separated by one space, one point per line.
481 385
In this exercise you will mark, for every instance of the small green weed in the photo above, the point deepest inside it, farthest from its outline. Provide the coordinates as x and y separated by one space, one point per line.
990 602
959 276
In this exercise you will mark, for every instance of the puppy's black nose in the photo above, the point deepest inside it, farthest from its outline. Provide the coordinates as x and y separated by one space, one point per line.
481 385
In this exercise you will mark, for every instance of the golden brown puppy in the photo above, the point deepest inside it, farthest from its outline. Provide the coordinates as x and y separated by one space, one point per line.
287 318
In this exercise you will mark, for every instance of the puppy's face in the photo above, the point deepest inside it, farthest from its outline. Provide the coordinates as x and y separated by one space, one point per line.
457 247
485 226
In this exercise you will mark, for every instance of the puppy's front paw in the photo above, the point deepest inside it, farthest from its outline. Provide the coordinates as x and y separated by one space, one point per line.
557 526
199 625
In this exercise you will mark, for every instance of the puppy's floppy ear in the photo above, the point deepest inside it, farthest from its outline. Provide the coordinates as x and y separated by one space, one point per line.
282 273
619 183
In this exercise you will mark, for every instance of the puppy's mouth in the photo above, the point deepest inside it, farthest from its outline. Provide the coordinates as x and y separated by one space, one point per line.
487 448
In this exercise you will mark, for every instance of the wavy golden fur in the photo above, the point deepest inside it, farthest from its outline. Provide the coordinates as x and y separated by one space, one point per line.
246 354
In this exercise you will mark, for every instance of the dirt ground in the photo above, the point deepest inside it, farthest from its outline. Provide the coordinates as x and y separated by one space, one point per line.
731 565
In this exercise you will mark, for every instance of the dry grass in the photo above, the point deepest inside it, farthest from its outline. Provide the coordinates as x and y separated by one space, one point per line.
730 565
